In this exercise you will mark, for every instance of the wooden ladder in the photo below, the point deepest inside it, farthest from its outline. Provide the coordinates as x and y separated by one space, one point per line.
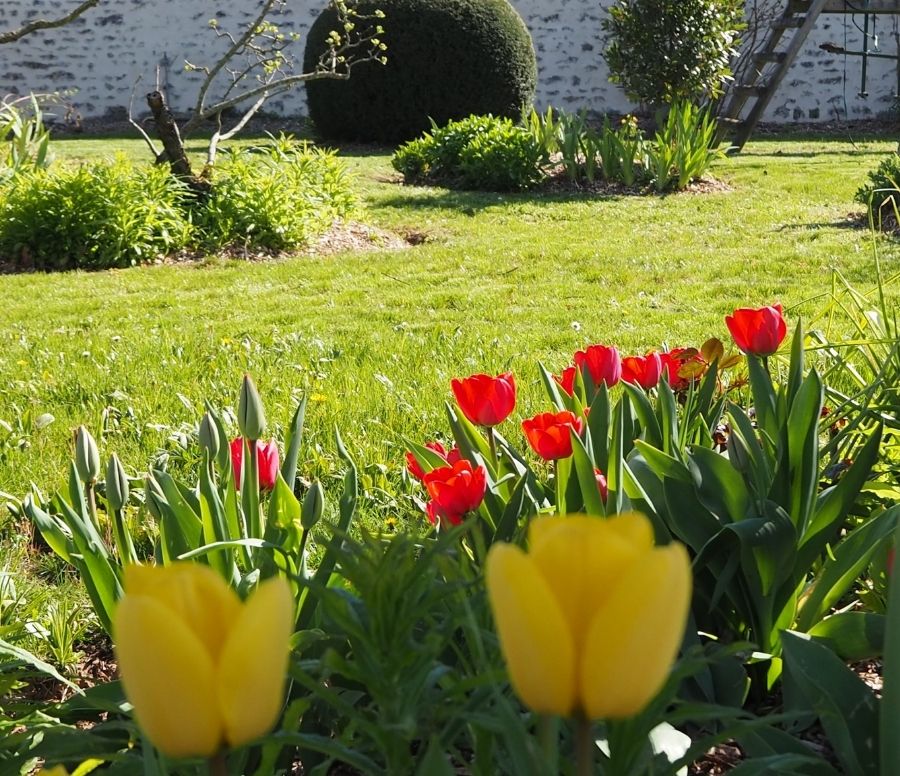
747 101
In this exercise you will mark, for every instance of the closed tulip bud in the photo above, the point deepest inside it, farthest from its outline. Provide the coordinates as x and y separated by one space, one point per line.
117 488
313 506
209 436
152 496
201 669
251 416
591 618
757 331
87 456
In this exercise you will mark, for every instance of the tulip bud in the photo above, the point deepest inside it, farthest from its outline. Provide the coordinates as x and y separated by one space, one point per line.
313 506
251 416
209 436
87 456
117 488
152 496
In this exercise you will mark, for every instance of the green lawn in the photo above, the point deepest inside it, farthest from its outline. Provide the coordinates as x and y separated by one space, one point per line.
502 282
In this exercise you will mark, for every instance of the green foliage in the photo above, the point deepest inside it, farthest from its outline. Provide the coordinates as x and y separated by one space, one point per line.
275 197
95 216
684 148
661 51
446 59
480 152
23 133
881 195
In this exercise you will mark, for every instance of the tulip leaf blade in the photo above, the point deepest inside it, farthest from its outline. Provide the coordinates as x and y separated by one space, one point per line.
817 681
294 438
587 479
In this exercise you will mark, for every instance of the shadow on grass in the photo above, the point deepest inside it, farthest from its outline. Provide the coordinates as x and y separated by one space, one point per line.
471 202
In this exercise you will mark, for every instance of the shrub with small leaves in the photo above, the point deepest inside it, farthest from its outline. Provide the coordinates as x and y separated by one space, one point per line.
478 152
666 50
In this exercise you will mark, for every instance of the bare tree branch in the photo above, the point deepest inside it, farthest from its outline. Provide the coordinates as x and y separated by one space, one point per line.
147 139
46 24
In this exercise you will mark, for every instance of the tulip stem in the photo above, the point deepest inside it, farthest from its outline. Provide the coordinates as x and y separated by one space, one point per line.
548 734
560 489
492 443
584 747
218 766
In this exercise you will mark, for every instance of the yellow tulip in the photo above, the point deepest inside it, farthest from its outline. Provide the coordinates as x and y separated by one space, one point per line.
56 770
591 618
201 669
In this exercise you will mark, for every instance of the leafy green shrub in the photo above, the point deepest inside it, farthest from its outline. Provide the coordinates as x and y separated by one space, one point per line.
99 215
666 50
479 152
446 59
882 193
276 197
504 157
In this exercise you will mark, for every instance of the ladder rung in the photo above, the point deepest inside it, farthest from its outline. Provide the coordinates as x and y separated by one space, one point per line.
747 90
776 57
789 22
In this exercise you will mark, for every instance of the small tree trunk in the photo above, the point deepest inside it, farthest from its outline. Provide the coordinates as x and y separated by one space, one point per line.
173 148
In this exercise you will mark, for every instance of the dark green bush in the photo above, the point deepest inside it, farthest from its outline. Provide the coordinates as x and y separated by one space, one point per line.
275 197
446 59
882 193
98 215
479 152
661 51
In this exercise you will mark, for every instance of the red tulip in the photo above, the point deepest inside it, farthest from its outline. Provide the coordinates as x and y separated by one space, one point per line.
548 433
644 371
602 362
602 485
683 366
415 469
454 490
485 400
567 379
266 457
757 332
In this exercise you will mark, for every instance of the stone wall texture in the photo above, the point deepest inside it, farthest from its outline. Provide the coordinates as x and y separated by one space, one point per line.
99 57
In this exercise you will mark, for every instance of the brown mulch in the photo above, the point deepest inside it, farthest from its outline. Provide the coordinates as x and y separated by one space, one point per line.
558 183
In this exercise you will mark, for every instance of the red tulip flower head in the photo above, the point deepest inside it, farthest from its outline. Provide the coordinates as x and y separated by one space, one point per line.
485 400
549 433
644 371
415 469
602 484
757 332
454 490
678 361
602 363
267 460
566 380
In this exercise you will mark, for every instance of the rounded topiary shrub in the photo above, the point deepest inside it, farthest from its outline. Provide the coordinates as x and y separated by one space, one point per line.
446 59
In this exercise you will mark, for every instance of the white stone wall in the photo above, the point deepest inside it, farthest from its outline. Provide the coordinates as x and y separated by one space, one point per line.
102 54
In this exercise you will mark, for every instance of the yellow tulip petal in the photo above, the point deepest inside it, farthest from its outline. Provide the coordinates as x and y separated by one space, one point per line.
196 593
582 559
534 636
56 770
168 677
634 527
253 664
634 638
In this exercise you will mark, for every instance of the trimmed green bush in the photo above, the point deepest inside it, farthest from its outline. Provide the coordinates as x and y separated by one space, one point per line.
99 215
446 59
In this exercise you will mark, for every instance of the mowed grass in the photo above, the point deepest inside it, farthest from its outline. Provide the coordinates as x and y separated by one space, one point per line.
501 282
